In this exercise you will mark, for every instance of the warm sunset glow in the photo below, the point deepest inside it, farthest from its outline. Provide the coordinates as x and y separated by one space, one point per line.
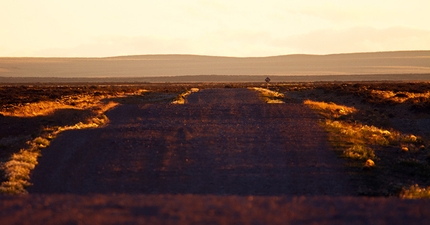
218 27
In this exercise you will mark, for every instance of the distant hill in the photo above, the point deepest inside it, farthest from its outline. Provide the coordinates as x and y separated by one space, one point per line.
400 62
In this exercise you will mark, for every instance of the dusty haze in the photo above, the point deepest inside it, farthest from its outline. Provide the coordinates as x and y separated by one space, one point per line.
403 62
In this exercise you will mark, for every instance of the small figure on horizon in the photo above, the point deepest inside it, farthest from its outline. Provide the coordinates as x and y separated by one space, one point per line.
267 82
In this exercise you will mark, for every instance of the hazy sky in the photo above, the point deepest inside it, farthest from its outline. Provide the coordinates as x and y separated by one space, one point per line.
211 27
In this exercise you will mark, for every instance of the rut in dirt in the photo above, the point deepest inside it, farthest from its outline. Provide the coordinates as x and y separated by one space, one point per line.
222 142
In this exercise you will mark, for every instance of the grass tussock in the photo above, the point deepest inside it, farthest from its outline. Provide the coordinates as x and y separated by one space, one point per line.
398 97
415 192
358 141
269 96
78 101
17 170
331 109
180 99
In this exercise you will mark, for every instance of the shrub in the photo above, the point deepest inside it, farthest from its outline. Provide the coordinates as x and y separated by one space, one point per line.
415 192
41 142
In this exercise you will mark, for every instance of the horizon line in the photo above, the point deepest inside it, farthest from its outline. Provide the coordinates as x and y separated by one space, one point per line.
202 55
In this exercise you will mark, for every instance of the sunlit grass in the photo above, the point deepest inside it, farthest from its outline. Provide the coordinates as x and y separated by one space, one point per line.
351 139
19 166
357 140
330 110
269 96
180 99
79 101
398 97
415 192
17 170
379 136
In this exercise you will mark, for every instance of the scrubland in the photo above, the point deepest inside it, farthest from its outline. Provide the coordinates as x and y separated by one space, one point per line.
32 116
381 129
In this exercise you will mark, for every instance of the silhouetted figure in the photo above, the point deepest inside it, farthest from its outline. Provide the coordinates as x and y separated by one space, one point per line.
267 82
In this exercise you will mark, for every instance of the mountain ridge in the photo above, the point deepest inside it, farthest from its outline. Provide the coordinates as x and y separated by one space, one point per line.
395 62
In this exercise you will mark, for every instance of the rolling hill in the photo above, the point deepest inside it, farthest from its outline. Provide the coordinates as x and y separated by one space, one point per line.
147 66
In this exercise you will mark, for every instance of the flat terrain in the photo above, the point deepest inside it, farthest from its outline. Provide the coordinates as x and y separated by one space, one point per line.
224 157
223 142
209 209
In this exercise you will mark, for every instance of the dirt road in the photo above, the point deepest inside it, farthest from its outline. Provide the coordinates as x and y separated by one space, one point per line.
223 142
223 158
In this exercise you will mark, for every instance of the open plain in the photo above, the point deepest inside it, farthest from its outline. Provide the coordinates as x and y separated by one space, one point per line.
223 157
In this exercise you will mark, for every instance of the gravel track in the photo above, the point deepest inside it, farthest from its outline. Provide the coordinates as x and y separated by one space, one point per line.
223 158
223 142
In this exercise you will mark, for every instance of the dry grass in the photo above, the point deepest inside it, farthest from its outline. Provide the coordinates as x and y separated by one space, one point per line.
330 110
398 97
79 101
387 123
17 170
39 104
18 167
180 99
269 96
357 140
415 192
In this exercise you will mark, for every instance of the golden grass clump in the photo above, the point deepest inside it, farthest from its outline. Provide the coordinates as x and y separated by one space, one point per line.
180 99
350 138
369 164
17 171
47 107
80 101
415 192
329 110
269 96
399 97
41 142
357 140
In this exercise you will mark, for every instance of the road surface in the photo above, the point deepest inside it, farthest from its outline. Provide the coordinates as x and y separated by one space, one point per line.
223 142
223 158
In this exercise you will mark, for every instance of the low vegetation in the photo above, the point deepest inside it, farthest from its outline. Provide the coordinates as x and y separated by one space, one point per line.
380 128
359 140
269 96
180 99
415 192
17 169
37 115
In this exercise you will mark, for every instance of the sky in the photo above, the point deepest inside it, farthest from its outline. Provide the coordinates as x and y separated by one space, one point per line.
251 28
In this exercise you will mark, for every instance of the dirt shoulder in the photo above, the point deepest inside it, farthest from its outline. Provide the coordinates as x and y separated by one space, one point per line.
209 209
